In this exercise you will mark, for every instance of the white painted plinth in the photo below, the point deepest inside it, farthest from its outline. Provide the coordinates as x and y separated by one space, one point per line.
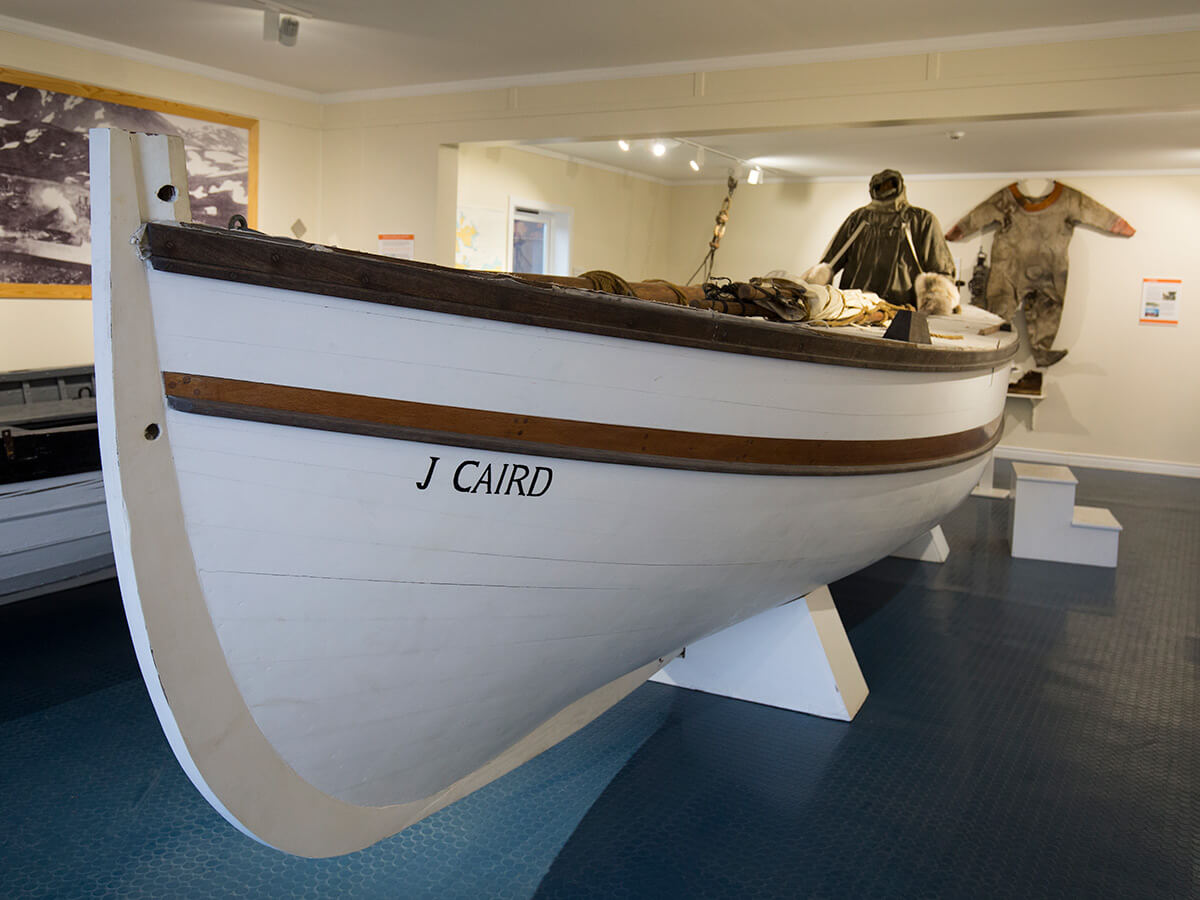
931 546
796 657
1046 523
985 487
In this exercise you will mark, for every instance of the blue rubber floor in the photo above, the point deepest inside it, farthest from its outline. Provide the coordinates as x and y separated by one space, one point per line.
1033 730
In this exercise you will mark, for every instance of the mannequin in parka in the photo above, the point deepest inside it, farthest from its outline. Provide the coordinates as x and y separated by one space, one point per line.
892 249
1029 254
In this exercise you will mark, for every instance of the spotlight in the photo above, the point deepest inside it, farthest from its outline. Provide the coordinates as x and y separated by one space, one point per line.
695 165
289 30
658 148
755 176
697 160
281 23
624 145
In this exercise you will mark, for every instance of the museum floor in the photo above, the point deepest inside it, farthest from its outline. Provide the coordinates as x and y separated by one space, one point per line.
1032 731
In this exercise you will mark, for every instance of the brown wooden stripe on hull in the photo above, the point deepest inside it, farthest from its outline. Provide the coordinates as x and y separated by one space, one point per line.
291 265
566 438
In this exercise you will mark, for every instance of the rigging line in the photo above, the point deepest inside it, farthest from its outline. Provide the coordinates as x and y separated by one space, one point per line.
722 218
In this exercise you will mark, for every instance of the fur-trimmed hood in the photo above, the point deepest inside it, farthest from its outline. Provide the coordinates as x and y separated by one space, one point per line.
888 191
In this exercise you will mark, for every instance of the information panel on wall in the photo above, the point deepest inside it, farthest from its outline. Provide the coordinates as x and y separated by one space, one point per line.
397 246
1160 301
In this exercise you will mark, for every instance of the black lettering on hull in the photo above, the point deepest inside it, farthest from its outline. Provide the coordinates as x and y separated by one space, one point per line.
537 473
457 472
433 461
469 478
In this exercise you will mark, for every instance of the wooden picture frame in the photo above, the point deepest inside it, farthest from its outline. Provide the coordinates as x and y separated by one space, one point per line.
44 209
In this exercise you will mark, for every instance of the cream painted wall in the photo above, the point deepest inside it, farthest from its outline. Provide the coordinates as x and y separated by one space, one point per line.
1124 390
45 333
1114 75
771 226
380 181
620 223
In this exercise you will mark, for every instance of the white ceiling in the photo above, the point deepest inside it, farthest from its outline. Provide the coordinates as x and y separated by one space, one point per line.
371 45
1114 143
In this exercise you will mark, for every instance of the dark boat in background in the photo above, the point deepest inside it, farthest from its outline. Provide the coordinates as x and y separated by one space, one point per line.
53 524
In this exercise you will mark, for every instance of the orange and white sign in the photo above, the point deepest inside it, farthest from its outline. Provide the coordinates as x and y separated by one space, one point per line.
1160 301
398 246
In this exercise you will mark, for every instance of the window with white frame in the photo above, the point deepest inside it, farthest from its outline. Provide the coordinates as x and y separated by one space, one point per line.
539 239
532 237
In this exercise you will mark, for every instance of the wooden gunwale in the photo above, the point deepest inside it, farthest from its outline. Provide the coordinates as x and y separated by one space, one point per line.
566 438
250 259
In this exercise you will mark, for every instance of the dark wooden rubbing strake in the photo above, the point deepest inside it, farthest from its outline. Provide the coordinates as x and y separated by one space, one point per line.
251 259
566 438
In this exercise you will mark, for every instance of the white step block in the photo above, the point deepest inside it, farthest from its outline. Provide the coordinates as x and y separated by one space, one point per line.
1046 523
1044 493
795 656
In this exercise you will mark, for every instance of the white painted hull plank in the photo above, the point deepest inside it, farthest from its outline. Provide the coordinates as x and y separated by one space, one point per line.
53 532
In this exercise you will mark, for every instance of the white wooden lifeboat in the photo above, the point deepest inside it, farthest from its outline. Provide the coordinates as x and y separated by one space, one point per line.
386 530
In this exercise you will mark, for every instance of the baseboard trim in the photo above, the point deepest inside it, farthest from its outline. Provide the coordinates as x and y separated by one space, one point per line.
1095 461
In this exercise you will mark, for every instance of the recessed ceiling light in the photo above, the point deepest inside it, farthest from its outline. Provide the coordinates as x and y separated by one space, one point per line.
658 148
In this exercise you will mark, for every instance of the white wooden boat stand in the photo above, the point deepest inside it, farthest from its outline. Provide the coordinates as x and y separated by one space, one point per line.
928 547
986 487
796 657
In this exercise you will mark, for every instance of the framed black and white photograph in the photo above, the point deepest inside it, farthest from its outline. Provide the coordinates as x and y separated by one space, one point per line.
45 220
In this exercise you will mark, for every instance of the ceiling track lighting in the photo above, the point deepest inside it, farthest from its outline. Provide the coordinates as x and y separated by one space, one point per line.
752 173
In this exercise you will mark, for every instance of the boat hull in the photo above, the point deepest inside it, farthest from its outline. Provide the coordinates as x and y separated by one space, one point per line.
375 554
396 613
53 535
377 598
389 640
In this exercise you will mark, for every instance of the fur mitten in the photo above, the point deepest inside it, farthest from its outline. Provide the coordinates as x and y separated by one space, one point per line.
821 273
937 295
